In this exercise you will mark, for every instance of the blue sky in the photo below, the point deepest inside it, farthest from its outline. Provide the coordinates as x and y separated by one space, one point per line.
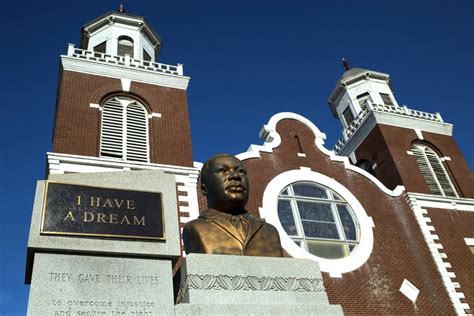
259 57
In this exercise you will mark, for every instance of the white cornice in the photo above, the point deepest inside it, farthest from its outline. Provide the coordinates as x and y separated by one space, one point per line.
344 82
62 163
117 71
393 119
443 202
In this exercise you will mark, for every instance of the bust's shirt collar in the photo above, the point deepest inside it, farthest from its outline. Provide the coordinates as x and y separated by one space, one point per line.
221 216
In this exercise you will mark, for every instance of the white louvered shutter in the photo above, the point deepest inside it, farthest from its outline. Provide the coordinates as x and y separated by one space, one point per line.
137 133
440 172
111 142
433 171
124 132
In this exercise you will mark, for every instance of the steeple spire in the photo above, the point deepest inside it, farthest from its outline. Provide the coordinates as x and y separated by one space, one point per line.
345 64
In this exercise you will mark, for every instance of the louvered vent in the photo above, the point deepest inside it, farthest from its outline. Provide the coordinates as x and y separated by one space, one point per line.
111 143
124 131
137 133
433 171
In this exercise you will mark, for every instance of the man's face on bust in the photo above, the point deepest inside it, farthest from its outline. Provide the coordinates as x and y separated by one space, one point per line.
226 184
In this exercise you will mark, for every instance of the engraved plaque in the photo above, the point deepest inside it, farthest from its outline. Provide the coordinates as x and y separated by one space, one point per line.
95 211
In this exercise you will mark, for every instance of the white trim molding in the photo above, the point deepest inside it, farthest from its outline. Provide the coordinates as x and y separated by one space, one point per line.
125 84
335 267
469 241
190 188
92 67
59 163
152 115
420 203
272 140
419 134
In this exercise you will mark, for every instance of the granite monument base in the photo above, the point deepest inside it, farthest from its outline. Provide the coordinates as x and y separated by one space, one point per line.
244 285
79 285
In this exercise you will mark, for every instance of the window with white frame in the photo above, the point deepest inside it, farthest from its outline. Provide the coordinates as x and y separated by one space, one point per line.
387 100
318 220
100 48
362 99
433 170
124 130
348 116
125 46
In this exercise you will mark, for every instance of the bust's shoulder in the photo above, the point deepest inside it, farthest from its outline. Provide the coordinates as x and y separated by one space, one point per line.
203 219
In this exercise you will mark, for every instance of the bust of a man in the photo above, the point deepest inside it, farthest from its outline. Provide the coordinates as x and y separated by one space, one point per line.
226 227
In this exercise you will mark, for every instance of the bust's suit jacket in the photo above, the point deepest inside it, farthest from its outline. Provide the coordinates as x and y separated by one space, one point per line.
213 233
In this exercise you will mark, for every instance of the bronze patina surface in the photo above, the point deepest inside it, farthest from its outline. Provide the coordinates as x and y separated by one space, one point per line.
226 227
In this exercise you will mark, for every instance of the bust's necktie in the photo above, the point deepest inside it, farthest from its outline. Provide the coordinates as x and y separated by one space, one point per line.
241 223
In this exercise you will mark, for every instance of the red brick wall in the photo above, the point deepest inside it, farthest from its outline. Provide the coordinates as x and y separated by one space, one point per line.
77 125
457 166
375 150
389 145
452 227
399 252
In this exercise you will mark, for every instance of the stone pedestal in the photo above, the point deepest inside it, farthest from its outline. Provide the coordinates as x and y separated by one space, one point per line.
96 262
242 285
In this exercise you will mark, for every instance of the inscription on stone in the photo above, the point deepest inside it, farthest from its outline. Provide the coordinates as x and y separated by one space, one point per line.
67 285
94 306
93 211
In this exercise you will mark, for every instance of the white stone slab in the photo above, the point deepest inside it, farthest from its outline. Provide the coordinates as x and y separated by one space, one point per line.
67 285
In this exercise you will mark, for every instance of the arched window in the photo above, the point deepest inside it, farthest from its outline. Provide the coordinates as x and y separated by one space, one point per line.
318 220
125 46
124 132
433 170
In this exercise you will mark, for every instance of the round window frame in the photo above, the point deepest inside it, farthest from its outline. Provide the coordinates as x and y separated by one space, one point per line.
335 267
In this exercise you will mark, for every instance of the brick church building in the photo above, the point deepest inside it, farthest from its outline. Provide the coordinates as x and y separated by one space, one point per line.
388 213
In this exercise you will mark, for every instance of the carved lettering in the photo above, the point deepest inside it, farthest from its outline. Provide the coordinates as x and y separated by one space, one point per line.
101 218
60 277
91 278
125 220
70 217
95 201
88 216
130 204
118 202
107 212
140 221
113 219
108 203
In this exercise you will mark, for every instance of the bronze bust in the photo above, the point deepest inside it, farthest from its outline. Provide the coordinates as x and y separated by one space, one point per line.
226 227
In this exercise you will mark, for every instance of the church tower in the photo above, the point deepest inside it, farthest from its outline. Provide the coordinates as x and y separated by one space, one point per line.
397 144
118 108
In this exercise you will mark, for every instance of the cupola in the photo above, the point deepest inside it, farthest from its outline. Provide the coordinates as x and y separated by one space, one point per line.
356 88
120 34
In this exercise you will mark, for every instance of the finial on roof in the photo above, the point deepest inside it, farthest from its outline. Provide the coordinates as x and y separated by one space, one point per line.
121 8
345 64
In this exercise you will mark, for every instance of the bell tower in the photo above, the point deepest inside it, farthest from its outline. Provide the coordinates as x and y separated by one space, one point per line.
397 144
118 108
118 34
116 102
